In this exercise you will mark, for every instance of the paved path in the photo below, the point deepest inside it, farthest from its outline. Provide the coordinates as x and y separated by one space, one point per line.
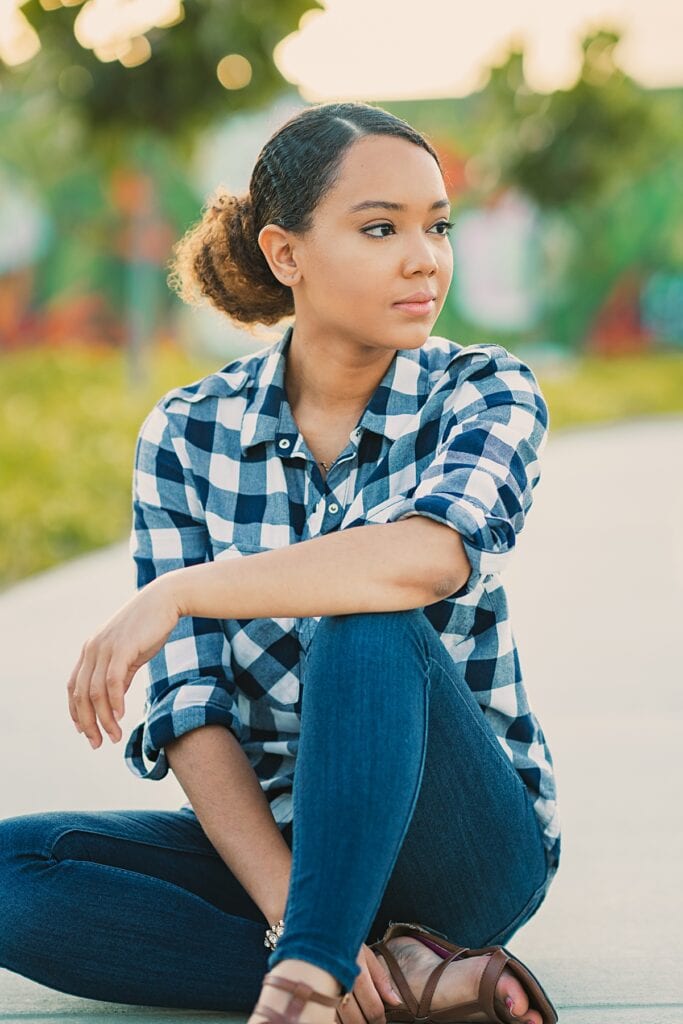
596 592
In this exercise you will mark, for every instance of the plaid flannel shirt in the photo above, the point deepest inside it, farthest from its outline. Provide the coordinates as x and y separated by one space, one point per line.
221 470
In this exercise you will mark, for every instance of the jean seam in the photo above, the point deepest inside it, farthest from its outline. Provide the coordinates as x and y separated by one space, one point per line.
490 737
414 799
49 854
527 911
164 882
486 731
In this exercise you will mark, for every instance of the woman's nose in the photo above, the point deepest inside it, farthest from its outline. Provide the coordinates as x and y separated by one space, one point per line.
421 256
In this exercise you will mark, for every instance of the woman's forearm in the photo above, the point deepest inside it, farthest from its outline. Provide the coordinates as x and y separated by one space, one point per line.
233 810
389 567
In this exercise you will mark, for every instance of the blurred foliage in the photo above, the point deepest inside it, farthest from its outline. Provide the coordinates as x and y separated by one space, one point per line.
574 145
68 426
175 93
605 389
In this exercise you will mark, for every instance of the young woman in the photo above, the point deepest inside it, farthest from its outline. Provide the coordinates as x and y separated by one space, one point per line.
319 530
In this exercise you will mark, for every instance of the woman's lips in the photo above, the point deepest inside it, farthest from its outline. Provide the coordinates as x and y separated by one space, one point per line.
416 308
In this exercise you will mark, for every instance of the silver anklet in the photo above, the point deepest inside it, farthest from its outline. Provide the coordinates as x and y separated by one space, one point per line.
273 933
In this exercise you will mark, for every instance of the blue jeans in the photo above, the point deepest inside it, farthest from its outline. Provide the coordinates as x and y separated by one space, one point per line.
405 808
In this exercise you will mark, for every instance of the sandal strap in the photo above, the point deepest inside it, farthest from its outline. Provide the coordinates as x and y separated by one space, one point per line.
301 993
420 1011
274 1016
397 975
423 1009
438 948
488 981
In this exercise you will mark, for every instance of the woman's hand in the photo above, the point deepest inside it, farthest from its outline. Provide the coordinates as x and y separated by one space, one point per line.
110 658
371 990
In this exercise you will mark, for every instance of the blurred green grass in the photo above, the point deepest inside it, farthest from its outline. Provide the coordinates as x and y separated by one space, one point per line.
68 424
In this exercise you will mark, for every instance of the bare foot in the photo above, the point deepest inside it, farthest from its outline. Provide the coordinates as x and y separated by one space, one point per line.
459 982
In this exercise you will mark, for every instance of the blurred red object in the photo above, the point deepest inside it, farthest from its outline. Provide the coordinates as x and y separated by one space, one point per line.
618 328
71 319
17 320
81 318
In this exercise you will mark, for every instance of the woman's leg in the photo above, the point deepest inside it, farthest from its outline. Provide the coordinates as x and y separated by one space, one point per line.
405 806
132 906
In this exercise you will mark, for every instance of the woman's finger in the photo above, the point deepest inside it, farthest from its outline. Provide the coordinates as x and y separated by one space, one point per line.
119 677
382 979
99 695
370 1001
365 1006
70 688
351 1013
86 711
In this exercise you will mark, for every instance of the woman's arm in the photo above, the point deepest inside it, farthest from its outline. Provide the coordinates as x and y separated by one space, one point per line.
388 567
233 810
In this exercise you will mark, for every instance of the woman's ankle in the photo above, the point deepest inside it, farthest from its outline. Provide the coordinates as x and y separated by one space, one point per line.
301 970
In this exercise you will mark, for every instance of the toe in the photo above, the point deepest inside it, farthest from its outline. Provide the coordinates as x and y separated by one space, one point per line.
509 988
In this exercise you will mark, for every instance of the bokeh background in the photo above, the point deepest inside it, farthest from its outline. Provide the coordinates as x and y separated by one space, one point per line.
560 129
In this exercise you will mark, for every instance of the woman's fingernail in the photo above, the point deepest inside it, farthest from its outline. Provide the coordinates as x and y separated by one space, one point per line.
508 1003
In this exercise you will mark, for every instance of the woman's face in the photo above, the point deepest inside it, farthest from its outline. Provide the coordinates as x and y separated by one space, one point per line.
354 265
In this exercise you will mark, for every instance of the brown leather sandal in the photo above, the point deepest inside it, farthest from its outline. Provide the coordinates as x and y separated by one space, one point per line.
458 1013
301 993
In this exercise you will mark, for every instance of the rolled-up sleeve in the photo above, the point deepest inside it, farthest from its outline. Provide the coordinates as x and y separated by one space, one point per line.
190 680
486 464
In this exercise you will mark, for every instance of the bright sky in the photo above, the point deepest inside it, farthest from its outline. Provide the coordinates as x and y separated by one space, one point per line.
395 49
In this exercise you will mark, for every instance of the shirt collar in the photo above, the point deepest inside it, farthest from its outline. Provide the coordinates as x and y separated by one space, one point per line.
268 416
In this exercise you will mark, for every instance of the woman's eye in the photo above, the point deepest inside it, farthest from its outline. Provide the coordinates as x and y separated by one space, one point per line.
445 224
377 227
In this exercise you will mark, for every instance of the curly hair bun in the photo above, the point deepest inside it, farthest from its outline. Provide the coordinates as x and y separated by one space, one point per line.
219 259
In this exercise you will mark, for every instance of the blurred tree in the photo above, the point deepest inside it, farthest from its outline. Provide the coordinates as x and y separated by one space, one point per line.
572 145
122 126
177 91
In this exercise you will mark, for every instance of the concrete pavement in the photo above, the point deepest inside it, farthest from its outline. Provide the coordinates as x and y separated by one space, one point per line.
596 595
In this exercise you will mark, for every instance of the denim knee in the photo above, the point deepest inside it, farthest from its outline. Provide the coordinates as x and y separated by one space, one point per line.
29 834
17 835
361 628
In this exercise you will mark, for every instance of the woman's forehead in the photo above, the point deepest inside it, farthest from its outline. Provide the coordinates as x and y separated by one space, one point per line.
409 181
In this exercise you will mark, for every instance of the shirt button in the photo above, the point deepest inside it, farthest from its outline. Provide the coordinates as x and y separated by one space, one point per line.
333 507
284 443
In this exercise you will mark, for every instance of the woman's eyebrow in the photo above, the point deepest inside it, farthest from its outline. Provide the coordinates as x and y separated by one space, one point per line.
385 205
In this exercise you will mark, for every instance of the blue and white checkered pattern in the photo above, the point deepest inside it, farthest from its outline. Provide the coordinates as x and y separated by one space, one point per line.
452 432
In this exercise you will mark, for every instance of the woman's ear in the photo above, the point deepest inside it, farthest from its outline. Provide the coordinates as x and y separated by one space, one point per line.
275 244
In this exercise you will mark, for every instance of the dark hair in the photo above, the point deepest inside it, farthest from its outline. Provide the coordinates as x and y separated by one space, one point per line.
219 257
